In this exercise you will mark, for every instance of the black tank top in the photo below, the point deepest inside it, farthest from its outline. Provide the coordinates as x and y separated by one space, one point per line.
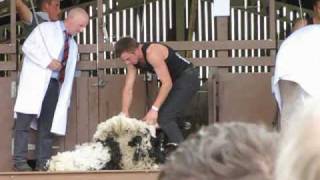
175 62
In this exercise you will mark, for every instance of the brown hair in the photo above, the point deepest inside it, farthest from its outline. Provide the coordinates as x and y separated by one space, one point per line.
41 2
125 44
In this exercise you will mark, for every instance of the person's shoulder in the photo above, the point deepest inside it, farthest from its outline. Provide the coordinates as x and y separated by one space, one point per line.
50 24
310 30
156 47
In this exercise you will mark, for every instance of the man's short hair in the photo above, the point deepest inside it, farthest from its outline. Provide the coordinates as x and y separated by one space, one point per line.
125 44
41 2
227 151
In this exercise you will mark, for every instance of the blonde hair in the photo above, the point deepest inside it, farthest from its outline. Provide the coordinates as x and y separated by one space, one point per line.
299 155
224 151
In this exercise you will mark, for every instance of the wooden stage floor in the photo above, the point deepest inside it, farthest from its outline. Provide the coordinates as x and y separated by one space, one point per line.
92 175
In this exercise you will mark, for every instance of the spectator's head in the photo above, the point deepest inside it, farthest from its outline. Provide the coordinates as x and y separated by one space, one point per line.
316 8
76 21
52 7
231 151
299 156
126 49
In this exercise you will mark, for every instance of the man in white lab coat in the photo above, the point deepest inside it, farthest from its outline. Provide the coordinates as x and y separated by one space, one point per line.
50 55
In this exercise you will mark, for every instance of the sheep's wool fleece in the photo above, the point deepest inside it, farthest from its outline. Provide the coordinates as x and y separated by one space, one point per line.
118 143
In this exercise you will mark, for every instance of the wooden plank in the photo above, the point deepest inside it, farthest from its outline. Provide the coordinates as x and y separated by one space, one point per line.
139 101
192 21
13 21
82 110
8 66
217 62
88 48
180 20
71 135
104 92
7 48
228 61
6 121
111 94
97 175
220 44
93 108
246 97
125 4
211 99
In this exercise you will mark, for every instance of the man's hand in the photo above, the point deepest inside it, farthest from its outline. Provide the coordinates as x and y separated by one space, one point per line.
124 114
55 65
151 117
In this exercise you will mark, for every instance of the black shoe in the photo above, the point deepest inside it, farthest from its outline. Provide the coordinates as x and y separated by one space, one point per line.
22 166
169 148
41 167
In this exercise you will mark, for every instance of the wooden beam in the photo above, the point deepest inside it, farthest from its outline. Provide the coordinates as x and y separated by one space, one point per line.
7 49
222 45
125 4
8 66
197 45
213 62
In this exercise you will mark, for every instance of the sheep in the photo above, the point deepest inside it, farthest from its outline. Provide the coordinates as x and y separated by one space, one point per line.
118 143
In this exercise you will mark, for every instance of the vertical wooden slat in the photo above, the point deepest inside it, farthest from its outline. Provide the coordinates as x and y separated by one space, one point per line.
211 99
93 109
13 22
103 103
82 110
71 135
13 33
6 121
180 26
272 22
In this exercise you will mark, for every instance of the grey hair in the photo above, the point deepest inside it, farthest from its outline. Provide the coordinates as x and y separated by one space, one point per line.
299 155
224 151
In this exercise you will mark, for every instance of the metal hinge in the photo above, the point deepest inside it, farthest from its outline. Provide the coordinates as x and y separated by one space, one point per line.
100 83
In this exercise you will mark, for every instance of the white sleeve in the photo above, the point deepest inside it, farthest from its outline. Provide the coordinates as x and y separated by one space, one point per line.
36 48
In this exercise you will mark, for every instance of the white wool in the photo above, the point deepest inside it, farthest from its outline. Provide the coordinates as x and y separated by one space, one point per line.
88 156
120 125
123 129
94 156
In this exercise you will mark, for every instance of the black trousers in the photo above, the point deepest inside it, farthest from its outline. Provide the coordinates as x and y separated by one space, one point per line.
44 122
180 95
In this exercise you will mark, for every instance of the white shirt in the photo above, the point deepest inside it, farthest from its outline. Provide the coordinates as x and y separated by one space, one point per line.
298 60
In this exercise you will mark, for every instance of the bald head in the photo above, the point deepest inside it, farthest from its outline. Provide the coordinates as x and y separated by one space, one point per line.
76 21
77 12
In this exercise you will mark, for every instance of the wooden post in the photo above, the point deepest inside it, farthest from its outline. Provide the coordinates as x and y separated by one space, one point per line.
192 22
180 25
